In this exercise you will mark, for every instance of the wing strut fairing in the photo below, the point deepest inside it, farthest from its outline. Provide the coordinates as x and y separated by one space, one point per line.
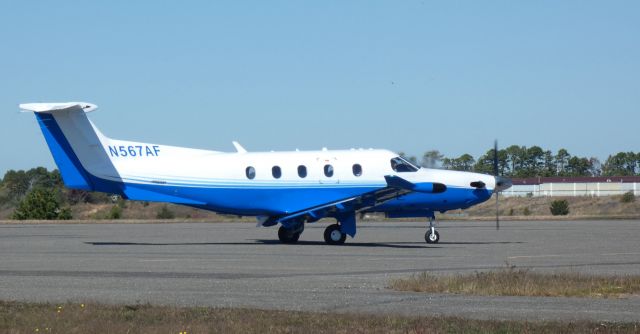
344 210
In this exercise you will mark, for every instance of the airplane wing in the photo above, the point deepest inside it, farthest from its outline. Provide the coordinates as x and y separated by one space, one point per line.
344 210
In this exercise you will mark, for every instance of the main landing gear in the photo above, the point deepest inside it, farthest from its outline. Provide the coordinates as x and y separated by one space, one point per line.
290 235
334 236
432 236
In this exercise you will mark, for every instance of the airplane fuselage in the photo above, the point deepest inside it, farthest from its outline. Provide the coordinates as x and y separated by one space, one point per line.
275 183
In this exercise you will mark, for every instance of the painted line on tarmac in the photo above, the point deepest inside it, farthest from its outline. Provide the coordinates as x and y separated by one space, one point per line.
536 256
618 254
566 255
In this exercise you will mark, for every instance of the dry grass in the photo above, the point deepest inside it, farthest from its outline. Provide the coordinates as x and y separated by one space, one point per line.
581 206
511 208
521 282
18 317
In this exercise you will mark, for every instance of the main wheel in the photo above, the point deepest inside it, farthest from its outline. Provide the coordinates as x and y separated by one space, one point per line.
288 236
333 235
432 238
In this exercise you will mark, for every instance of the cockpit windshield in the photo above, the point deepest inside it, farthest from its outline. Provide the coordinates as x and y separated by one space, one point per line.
401 165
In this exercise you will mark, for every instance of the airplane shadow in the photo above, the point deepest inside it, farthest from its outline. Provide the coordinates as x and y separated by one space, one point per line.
355 244
481 243
409 245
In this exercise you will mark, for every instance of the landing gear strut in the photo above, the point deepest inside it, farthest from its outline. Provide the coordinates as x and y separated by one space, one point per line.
432 236
333 235
290 235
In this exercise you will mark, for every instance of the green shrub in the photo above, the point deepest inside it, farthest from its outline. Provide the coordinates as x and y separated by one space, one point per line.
65 214
4 199
121 202
41 203
559 207
115 212
511 212
526 211
165 213
628 197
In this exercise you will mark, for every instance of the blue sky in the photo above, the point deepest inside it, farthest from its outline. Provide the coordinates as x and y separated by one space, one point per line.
278 75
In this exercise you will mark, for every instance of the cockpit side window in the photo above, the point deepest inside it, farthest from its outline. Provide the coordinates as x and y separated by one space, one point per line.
401 165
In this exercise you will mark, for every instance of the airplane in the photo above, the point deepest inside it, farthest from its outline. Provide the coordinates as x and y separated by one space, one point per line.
286 188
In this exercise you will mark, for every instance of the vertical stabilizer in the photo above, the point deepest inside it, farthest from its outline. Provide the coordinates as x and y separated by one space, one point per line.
76 145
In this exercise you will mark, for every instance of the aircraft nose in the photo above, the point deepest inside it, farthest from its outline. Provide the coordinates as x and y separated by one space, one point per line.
502 183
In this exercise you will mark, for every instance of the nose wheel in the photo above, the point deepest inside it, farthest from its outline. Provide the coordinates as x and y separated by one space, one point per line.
432 236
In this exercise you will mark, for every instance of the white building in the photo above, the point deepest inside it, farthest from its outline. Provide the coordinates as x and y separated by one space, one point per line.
574 186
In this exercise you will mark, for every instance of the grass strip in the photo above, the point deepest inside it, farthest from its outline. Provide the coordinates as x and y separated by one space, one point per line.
521 282
20 317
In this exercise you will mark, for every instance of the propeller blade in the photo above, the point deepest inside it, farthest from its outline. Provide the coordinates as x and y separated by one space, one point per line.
502 183
495 157
497 212
495 173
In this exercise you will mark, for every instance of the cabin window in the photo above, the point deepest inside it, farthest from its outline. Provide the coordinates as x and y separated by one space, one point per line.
328 170
276 172
357 170
251 172
302 171
401 165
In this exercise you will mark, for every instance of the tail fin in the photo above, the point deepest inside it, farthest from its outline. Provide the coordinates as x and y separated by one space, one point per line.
75 143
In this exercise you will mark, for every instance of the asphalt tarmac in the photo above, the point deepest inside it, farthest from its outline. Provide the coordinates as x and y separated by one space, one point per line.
240 265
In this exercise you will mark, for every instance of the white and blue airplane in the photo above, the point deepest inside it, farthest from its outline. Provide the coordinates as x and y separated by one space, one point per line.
286 188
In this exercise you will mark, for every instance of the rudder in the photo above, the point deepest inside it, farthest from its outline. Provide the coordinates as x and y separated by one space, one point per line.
73 174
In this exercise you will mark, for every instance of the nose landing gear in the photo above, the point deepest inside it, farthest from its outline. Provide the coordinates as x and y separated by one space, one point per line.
432 236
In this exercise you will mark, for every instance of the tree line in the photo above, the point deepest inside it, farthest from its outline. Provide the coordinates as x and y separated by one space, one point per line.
27 191
521 161
15 185
38 193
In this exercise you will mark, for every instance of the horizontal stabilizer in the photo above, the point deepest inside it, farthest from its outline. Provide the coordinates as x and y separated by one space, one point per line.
57 106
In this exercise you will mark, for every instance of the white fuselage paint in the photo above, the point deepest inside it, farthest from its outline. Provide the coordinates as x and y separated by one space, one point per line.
137 163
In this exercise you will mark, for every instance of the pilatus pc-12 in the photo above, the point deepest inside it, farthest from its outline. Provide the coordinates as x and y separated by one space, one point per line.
286 188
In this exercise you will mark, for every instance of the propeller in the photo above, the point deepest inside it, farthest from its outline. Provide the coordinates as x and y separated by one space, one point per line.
502 182
495 173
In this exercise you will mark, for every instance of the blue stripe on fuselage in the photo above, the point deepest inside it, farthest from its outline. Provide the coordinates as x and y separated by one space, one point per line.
249 200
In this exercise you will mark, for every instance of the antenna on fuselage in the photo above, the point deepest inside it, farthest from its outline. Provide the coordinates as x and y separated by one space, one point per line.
238 147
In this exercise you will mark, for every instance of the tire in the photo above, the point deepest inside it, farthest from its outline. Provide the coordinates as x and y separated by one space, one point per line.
333 235
287 236
431 240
